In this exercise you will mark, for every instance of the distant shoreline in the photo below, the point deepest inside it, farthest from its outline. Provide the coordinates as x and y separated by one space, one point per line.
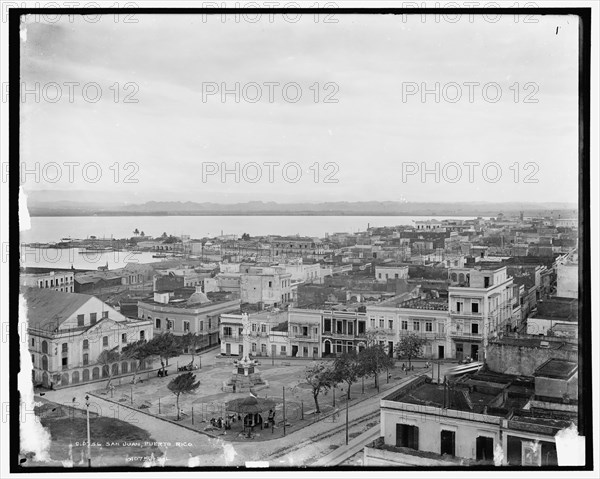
293 213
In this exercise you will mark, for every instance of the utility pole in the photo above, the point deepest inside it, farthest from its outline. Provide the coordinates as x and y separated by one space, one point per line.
334 395
284 421
347 401
89 446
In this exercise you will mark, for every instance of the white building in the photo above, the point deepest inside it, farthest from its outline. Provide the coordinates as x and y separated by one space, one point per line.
68 331
63 281
384 272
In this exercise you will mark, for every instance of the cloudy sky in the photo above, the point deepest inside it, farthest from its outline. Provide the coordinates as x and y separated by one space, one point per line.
365 140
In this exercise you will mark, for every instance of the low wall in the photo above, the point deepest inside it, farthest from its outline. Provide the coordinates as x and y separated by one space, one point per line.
522 359
382 457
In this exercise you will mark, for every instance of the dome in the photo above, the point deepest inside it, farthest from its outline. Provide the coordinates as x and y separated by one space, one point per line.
198 298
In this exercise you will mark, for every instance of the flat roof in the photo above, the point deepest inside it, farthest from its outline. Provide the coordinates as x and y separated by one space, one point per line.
556 368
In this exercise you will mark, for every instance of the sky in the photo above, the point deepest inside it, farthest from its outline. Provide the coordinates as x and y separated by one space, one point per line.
373 143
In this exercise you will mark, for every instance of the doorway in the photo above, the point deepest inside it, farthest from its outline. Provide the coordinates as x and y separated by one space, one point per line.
294 351
459 352
227 349
475 352
484 448
440 352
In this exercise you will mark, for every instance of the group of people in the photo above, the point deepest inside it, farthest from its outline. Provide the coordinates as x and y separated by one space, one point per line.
406 368
221 423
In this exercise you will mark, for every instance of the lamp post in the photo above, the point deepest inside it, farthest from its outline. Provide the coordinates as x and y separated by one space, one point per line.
89 447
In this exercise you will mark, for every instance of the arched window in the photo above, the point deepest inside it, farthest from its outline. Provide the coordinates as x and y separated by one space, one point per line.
45 363
44 347
86 344
453 277
461 278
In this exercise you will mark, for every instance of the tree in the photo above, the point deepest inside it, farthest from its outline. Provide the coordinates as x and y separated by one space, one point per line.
142 234
106 359
164 235
245 237
321 378
136 232
190 341
373 360
183 384
164 346
137 351
347 369
410 346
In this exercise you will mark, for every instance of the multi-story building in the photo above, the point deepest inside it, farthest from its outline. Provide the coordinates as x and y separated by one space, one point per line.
567 276
264 335
68 331
267 286
181 313
297 246
481 305
63 281
343 331
304 332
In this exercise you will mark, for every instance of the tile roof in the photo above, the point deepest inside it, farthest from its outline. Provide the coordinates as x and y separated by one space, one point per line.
48 307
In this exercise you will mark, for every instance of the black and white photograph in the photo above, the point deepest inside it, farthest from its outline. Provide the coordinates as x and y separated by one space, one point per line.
305 238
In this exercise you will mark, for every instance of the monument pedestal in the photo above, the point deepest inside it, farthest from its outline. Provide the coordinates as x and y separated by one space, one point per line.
244 377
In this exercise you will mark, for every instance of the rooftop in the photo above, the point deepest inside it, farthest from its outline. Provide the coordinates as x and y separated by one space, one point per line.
556 368
566 309
437 304
46 307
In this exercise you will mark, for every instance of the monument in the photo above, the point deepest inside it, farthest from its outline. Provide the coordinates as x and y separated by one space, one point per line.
245 374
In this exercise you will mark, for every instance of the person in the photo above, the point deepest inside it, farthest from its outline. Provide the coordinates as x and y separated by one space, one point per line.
403 366
270 417
412 367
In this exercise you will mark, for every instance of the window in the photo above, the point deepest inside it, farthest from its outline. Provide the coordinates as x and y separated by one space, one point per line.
65 363
86 359
157 323
283 350
390 324
295 329
350 328
226 331
44 347
253 347
474 307
32 342
416 326
407 436
253 327
142 334
80 319
474 328
186 326
201 325
379 275
405 325
428 327
315 351
105 341
124 337
447 442
93 317
65 347
458 307
304 330
373 323
270 284
104 314
263 348
33 359
396 275
263 328
86 344
361 327
169 323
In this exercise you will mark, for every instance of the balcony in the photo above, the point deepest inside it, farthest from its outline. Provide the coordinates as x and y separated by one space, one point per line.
466 335
467 314
231 338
